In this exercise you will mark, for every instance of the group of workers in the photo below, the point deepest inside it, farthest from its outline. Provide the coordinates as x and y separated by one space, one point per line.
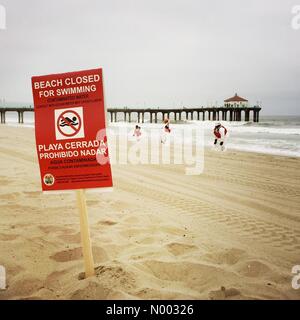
220 133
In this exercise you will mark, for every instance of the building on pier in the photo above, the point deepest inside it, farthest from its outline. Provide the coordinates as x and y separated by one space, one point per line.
236 102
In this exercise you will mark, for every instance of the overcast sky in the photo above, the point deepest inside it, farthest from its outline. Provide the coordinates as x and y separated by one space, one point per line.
158 52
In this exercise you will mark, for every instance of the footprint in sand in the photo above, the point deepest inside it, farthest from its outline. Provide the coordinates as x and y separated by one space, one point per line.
180 248
25 287
13 269
8 237
76 254
194 273
228 256
54 278
67 255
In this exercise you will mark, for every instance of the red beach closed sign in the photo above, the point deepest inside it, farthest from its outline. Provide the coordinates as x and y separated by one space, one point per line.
70 130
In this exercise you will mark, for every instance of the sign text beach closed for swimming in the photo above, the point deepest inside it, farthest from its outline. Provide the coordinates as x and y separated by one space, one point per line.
70 130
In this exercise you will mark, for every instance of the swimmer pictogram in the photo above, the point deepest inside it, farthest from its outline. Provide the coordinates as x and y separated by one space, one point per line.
69 123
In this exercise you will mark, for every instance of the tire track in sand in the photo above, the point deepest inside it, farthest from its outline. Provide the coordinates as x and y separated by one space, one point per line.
271 234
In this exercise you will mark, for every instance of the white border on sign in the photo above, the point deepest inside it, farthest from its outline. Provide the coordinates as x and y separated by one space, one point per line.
58 113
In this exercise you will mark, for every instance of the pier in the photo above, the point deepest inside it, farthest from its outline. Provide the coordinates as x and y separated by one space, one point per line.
19 110
156 115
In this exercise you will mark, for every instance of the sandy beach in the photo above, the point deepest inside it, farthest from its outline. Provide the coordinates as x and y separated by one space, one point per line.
232 232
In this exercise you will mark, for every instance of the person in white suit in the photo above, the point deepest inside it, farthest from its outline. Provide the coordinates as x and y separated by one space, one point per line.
220 133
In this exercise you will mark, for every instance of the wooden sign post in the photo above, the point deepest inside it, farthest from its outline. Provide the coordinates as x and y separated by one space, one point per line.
85 234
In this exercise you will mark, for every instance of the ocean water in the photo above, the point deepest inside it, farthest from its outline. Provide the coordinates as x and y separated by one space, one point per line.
273 134
279 135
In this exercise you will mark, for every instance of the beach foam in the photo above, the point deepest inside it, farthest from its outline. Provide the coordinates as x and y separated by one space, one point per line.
272 135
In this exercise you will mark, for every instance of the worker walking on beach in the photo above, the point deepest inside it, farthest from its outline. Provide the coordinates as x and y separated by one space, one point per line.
137 132
166 130
220 133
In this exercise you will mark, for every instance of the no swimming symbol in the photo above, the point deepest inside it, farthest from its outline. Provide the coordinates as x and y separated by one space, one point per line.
69 123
